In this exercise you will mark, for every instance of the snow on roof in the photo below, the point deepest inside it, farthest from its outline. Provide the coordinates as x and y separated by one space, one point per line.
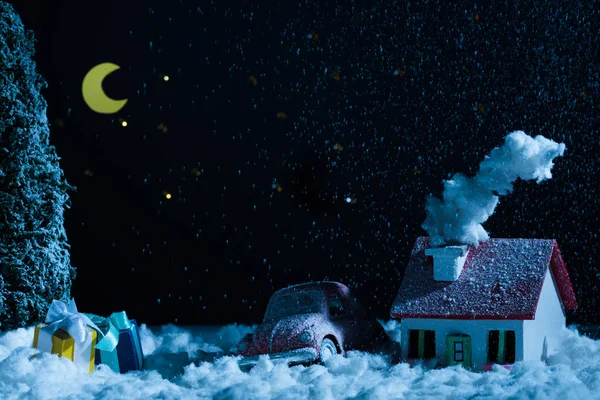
501 279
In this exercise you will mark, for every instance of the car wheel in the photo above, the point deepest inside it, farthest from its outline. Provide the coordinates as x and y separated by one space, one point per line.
327 350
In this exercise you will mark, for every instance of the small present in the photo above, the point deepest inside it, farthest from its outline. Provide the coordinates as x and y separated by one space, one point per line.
68 334
121 347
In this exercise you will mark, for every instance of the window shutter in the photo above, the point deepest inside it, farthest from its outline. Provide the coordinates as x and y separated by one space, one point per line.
429 351
413 344
501 347
493 339
510 347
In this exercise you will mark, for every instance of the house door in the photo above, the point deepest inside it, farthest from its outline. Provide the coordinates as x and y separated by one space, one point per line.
458 350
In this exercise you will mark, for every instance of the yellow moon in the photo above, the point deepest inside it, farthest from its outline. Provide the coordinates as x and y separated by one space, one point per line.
94 95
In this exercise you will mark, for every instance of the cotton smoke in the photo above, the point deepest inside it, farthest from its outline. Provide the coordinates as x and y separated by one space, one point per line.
469 202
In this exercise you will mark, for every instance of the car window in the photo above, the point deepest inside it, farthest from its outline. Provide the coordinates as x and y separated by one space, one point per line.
294 303
336 307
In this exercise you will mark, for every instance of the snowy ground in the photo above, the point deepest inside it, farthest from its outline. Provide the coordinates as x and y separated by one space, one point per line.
573 373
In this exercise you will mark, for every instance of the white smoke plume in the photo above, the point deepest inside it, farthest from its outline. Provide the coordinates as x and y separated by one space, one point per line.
469 202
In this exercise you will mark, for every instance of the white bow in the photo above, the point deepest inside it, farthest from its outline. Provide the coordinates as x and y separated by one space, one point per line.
66 317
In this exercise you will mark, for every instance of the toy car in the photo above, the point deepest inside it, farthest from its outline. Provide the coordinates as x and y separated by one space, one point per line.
307 323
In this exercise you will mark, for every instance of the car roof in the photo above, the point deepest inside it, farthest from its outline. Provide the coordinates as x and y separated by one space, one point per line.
323 286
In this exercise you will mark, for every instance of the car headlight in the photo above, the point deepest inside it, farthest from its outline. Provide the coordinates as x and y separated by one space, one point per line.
305 336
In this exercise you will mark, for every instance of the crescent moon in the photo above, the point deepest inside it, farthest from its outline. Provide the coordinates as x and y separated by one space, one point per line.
94 95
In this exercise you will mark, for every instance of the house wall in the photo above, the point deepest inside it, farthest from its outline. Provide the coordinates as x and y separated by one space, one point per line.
477 329
549 319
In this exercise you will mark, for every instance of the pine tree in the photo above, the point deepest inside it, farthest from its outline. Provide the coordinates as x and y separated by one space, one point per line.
34 254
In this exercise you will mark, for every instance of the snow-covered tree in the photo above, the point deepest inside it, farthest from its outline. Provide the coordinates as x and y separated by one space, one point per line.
34 255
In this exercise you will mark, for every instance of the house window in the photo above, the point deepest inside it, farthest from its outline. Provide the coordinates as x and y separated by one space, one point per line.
501 347
459 352
421 344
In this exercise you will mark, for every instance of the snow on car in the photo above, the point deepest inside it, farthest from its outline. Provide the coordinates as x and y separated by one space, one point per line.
307 323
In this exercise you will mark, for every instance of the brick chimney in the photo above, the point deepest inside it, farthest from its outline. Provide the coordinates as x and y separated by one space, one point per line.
448 261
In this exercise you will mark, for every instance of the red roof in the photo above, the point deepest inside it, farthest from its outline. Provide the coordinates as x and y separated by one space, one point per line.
501 279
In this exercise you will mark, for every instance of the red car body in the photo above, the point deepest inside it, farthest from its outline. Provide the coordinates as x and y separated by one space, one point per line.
301 319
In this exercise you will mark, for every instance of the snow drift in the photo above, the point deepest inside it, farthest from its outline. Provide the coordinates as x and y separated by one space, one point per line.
572 373
469 202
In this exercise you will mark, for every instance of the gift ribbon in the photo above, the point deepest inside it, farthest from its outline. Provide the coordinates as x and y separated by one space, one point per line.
111 328
120 320
122 323
66 317
138 346
110 332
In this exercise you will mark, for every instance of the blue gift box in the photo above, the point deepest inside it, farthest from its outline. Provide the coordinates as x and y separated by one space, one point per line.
121 347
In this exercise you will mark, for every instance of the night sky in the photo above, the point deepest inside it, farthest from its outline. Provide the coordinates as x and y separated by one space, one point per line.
298 141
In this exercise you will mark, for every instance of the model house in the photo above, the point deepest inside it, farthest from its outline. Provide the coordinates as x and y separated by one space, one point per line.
500 302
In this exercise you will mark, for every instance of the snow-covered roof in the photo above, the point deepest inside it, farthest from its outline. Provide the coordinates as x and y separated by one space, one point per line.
501 279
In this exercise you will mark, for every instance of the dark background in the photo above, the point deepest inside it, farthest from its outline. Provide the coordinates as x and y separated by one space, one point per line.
259 201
